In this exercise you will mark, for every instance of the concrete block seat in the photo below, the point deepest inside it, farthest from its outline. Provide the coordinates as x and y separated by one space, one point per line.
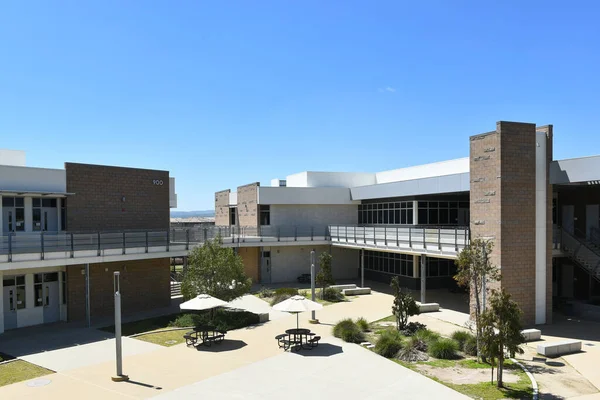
428 307
356 291
532 335
343 287
555 349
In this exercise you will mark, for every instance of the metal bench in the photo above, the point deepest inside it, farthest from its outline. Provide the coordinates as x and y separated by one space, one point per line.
314 342
191 337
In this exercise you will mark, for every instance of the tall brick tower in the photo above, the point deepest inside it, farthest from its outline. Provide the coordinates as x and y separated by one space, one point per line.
511 204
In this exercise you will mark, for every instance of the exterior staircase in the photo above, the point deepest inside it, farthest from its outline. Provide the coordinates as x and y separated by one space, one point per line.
586 252
175 288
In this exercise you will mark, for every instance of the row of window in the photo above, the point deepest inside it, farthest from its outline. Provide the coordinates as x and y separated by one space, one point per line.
402 264
18 300
386 213
42 213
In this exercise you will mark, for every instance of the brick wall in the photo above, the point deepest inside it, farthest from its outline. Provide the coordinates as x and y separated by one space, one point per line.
251 258
222 208
503 207
145 285
247 204
97 203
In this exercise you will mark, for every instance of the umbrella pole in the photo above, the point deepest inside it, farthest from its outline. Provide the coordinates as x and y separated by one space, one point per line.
297 323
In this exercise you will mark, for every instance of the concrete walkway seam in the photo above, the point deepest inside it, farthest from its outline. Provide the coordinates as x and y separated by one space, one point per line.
531 378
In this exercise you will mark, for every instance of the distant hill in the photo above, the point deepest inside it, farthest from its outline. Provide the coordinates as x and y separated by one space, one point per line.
187 214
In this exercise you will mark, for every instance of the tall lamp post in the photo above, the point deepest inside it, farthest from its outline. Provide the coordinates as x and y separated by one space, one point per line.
119 377
314 319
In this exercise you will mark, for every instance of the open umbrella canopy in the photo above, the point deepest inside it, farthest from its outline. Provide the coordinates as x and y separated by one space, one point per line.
297 304
202 302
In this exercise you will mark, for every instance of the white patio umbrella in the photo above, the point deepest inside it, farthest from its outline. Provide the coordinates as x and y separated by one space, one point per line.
297 304
202 302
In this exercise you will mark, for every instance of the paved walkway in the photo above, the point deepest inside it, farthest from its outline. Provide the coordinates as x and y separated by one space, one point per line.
335 370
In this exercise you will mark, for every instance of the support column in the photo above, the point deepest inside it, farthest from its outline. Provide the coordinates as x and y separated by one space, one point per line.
1 297
415 267
541 206
88 317
59 214
185 265
423 277
362 268
415 212
28 202
1 231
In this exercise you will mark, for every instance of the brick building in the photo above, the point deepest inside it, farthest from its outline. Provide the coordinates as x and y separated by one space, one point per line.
542 215
64 232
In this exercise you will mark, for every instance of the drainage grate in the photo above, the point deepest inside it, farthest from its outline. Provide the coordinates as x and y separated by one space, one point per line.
169 342
39 382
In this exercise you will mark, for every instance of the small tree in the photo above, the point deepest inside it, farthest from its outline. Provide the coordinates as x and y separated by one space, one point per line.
325 277
215 270
404 305
473 271
501 330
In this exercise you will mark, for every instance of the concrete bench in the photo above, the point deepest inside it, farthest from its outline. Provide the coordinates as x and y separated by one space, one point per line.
342 287
263 317
531 335
428 307
356 291
555 349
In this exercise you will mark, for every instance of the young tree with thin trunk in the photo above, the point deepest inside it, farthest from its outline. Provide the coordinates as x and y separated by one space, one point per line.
501 330
474 271
404 305
325 277
215 270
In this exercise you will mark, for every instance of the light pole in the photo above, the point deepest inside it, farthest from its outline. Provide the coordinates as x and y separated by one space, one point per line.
312 284
117 286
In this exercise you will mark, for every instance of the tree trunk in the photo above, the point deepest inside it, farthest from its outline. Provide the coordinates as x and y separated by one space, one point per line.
477 312
492 374
500 368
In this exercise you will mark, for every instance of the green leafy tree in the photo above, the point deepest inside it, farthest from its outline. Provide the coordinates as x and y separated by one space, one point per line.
404 305
474 271
325 277
501 330
215 270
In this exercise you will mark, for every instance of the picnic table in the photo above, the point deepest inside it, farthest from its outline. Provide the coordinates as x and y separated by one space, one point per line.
297 339
204 334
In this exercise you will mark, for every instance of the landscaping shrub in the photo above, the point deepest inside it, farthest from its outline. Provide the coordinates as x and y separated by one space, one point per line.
286 290
265 292
411 353
334 295
412 328
443 348
470 346
461 337
417 343
427 336
278 298
389 344
363 324
348 331
222 319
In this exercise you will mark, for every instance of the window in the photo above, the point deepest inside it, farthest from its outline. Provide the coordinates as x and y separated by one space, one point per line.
37 214
398 213
63 215
389 263
437 267
63 278
265 215
20 289
38 290
232 211
18 208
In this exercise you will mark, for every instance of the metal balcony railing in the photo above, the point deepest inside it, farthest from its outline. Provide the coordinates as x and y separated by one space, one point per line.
431 238
449 239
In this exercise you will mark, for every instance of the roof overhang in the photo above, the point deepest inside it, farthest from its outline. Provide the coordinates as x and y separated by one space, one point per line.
583 170
33 193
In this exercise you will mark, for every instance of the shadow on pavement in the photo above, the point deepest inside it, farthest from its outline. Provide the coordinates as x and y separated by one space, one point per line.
322 350
146 385
226 345
572 328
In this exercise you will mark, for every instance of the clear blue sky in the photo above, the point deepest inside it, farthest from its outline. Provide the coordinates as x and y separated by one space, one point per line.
226 93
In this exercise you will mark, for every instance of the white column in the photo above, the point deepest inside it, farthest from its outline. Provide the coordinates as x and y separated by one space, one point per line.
1 294
58 214
423 277
1 225
28 214
415 266
362 268
415 212
540 228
